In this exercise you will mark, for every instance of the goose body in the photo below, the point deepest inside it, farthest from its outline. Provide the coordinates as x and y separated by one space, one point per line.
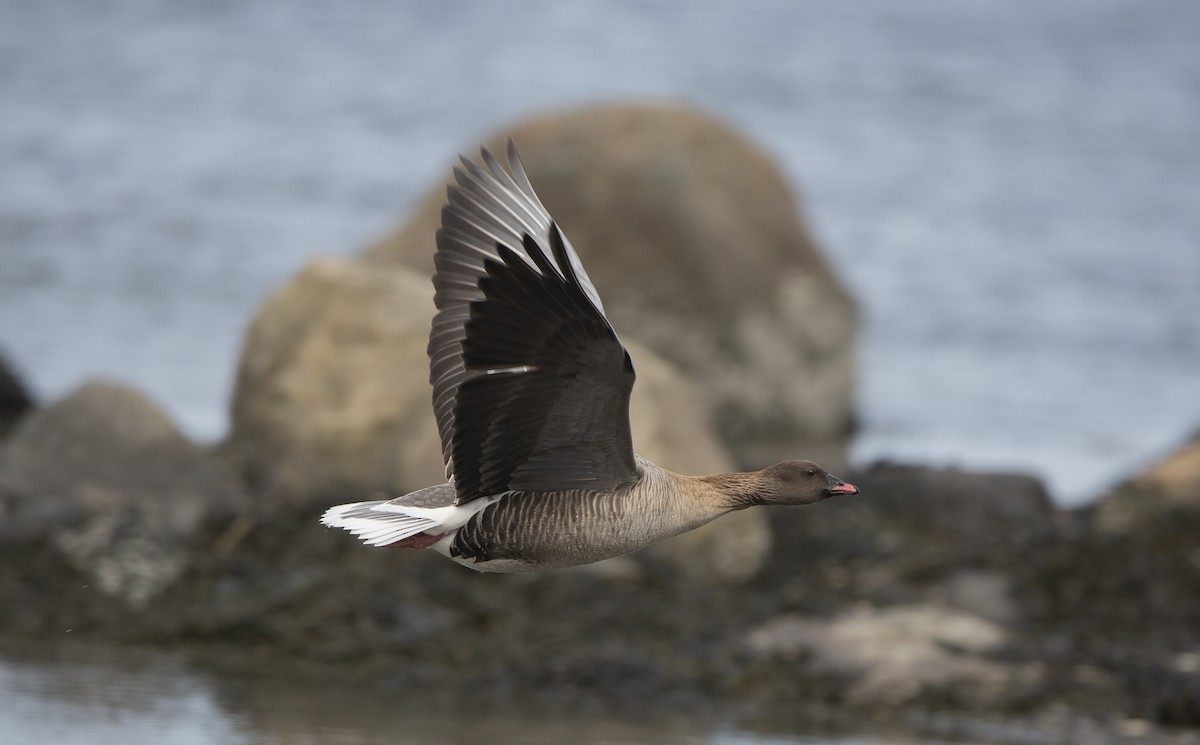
531 393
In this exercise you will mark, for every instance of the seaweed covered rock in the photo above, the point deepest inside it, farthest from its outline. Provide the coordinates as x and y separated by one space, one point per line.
913 534
1117 595
103 485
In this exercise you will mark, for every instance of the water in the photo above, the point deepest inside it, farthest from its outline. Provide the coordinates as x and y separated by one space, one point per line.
81 695
1009 189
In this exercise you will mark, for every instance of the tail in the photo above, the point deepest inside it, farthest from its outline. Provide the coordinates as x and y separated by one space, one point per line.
378 523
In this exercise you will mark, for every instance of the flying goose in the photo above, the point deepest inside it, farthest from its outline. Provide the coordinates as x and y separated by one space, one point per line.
531 393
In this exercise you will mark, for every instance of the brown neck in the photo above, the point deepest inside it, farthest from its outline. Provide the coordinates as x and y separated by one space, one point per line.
739 490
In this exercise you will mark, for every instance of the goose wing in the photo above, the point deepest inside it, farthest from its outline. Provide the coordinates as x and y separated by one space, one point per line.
530 382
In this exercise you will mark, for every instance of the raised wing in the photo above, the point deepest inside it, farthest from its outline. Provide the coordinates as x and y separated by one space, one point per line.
530 383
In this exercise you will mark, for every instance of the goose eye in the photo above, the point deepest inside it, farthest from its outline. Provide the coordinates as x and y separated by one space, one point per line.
812 471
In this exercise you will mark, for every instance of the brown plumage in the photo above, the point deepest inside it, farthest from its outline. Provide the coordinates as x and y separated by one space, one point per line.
531 393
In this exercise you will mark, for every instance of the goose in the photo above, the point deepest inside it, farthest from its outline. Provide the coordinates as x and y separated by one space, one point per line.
531 394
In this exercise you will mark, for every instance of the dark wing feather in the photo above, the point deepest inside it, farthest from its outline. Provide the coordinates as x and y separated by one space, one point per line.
531 384
486 208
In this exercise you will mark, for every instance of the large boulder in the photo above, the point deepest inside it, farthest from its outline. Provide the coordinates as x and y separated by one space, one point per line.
106 481
332 399
1173 482
695 242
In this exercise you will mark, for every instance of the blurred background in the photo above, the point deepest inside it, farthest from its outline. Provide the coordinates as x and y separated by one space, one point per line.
1008 190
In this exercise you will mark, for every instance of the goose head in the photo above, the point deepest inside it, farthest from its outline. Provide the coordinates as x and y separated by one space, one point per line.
799 482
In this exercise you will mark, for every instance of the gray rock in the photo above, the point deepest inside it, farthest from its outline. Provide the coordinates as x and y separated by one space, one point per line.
108 480
332 400
898 655
987 594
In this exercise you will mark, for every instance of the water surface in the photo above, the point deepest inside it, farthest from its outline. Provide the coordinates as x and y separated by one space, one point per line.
85 695
1009 189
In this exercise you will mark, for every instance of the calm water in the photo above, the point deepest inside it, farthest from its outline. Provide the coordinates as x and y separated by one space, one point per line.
1009 189
95 696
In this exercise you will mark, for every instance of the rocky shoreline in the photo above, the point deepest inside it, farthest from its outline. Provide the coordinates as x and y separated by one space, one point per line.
937 590
933 591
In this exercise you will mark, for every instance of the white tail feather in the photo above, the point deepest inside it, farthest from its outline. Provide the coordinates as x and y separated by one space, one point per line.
375 526
384 523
